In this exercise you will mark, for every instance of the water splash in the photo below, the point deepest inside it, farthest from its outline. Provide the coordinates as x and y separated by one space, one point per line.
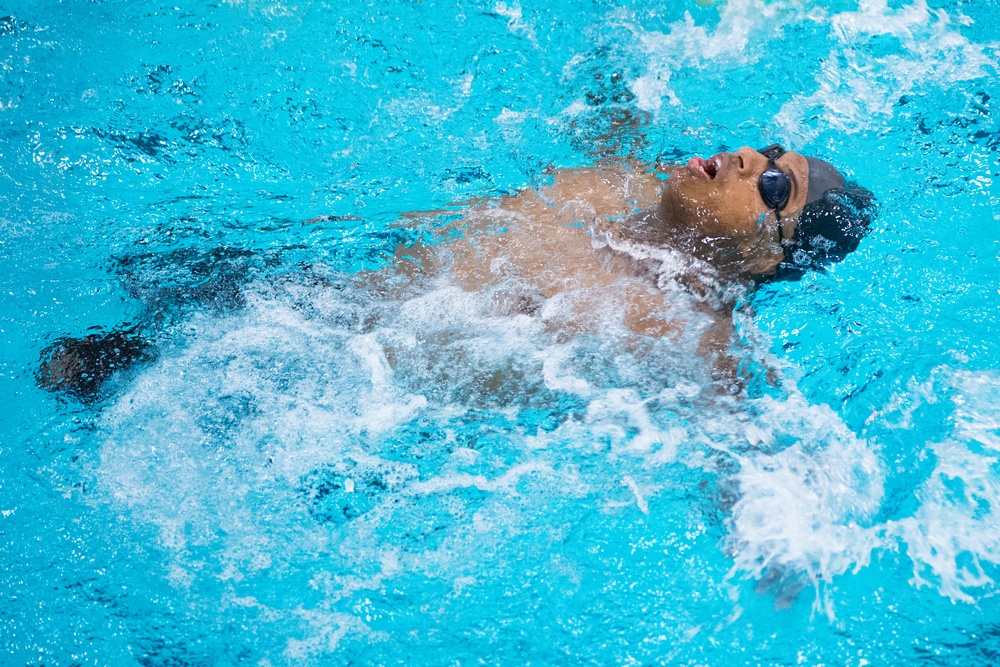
859 87
953 538
323 430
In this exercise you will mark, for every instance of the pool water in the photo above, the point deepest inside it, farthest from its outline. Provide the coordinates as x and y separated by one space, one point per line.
311 474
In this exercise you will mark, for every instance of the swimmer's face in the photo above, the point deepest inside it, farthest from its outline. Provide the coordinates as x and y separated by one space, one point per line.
719 199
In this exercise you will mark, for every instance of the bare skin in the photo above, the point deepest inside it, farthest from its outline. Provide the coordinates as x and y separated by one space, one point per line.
542 241
718 201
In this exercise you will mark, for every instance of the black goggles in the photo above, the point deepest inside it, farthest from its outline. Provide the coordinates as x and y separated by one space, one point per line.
774 185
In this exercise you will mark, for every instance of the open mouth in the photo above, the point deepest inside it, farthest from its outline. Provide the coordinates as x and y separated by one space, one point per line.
707 169
713 166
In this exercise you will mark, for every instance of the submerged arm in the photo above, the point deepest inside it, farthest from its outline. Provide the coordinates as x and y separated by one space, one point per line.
716 348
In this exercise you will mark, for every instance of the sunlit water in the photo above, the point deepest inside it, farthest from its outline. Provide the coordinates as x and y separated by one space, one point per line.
310 473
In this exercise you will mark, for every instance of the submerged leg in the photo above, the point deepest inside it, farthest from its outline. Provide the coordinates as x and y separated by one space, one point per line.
79 367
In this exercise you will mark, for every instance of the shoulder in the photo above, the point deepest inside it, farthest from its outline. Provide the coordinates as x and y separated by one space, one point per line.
613 189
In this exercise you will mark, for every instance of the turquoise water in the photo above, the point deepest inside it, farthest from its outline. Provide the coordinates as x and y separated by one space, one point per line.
272 491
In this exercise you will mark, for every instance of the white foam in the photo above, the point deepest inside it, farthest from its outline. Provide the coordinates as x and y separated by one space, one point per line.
516 23
242 445
857 86
506 482
857 89
954 535
328 629
556 377
687 44
801 510
640 499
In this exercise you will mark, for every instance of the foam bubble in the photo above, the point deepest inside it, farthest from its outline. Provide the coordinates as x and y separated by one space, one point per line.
361 441
802 510
858 88
876 55
688 44
515 22
953 538
803 515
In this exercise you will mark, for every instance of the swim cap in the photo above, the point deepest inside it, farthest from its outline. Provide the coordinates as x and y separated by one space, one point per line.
823 176
832 223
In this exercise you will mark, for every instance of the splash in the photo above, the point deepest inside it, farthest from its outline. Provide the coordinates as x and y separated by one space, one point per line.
362 441
953 538
858 86
876 56
688 45
802 512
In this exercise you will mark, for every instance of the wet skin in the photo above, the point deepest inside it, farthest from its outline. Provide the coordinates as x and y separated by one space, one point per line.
541 240
719 201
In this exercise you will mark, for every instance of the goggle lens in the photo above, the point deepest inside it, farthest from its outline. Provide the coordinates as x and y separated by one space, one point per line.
774 185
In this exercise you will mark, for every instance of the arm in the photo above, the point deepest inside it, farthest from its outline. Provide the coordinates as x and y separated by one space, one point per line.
644 313
715 347
720 350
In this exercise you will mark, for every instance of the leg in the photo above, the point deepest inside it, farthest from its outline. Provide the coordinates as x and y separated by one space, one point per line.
80 366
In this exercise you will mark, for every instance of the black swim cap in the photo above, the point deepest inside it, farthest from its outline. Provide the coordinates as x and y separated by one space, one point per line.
823 176
835 218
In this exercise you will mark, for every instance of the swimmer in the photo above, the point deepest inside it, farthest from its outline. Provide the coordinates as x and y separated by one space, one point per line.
599 237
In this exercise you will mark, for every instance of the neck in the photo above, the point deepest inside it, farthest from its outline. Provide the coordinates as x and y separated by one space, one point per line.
707 268
721 254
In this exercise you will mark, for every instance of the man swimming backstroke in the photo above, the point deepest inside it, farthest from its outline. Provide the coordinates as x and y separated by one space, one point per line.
620 235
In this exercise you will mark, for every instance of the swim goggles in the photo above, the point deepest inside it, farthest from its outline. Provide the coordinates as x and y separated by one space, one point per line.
774 185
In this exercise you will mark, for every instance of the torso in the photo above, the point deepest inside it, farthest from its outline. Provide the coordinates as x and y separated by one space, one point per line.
540 244
544 237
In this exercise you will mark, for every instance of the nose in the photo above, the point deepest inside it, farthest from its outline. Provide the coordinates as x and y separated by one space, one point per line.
749 161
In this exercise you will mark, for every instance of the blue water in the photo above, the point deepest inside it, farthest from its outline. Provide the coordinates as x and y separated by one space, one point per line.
272 491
